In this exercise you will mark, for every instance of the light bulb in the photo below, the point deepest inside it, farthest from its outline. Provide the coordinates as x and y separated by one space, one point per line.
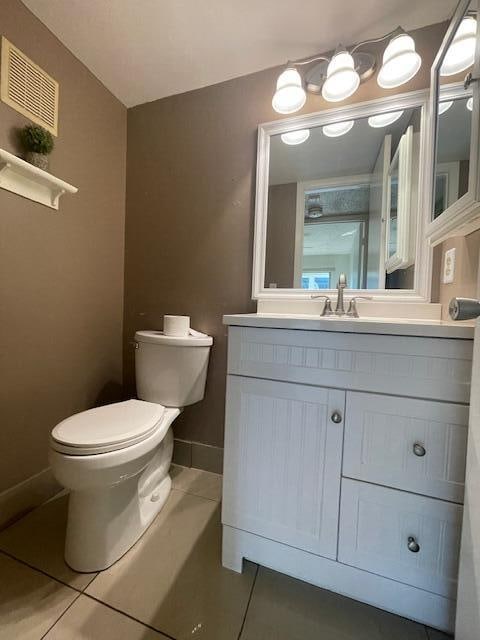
384 119
295 137
444 106
337 129
461 52
290 95
342 79
470 104
400 62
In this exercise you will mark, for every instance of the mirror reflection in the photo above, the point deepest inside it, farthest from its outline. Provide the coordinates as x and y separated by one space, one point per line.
342 198
454 118
453 152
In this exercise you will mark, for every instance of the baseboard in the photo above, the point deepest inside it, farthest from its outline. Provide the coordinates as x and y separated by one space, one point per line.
25 496
396 597
199 455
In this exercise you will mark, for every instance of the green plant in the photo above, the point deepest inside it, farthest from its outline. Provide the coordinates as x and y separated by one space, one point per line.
36 139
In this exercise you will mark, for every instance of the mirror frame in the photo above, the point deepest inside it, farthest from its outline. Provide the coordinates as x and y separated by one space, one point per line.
463 216
423 253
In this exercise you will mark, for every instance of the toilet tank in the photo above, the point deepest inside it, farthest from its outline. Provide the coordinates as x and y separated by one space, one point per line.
171 370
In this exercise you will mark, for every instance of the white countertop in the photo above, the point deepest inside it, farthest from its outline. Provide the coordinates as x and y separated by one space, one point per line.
385 326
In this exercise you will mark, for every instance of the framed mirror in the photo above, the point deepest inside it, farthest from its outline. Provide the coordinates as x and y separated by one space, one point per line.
453 179
338 192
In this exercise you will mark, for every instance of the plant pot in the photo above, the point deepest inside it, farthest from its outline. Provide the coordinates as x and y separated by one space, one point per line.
39 160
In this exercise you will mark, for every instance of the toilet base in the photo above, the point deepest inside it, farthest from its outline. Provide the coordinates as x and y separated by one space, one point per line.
103 524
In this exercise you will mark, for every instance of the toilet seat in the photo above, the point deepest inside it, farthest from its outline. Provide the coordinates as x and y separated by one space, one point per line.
108 428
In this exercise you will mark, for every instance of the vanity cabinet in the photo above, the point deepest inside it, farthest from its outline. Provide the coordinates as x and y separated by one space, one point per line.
345 461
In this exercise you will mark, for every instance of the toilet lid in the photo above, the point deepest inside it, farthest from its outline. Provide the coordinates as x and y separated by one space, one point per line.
122 423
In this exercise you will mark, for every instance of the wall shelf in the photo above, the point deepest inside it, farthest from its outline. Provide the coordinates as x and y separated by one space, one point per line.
33 183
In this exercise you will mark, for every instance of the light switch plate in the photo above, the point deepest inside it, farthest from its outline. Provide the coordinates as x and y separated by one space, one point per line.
449 267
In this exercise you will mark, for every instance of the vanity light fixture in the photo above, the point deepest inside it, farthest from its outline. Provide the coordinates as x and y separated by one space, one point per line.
337 129
295 137
470 104
461 52
384 119
338 77
342 79
444 106
290 95
400 62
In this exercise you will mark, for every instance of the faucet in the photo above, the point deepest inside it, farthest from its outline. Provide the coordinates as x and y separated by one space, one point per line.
341 285
340 308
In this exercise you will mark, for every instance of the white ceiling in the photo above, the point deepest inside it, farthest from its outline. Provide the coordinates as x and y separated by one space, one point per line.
143 50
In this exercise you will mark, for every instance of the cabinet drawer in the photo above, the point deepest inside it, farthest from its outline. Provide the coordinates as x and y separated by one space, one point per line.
376 524
283 455
406 366
380 437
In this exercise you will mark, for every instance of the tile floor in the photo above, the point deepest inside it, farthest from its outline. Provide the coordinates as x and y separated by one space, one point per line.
170 585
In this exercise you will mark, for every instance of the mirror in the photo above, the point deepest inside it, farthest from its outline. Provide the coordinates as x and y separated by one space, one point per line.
454 107
343 197
452 160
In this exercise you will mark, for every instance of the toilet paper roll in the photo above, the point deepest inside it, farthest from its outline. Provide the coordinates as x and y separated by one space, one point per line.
176 325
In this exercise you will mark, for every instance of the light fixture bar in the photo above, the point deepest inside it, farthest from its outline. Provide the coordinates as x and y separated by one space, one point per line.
338 77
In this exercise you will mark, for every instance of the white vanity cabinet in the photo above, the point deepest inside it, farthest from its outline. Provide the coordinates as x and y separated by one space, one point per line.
345 461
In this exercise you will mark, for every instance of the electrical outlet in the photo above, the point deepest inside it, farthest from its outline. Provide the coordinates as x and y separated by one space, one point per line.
449 267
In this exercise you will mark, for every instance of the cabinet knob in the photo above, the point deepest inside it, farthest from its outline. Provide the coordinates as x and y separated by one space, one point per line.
336 417
413 545
419 449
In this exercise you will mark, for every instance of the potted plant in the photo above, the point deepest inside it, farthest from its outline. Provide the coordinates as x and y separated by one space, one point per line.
37 143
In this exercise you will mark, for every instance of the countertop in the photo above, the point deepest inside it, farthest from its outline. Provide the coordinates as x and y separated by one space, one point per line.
384 326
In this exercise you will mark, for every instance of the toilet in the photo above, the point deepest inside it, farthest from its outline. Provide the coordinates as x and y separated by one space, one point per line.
115 459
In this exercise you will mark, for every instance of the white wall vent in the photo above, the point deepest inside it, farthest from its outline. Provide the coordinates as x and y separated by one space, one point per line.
27 88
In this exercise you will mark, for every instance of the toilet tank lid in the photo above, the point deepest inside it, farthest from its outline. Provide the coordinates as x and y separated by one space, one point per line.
157 337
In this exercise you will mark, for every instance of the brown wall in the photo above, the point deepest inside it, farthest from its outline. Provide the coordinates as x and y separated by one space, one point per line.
467 257
280 241
190 208
61 274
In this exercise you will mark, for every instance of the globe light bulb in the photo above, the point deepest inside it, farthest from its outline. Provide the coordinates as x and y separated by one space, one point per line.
461 52
400 62
337 129
295 137
290 95
444 106
384 119
342 79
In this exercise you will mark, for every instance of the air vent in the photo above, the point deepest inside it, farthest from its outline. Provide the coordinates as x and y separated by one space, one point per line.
28 89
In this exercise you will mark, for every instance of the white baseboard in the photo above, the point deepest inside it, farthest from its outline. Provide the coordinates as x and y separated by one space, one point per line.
396 597
27 495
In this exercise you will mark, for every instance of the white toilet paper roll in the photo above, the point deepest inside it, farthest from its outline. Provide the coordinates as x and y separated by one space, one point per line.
176 325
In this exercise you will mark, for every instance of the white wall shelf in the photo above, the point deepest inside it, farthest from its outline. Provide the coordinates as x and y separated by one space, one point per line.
33 183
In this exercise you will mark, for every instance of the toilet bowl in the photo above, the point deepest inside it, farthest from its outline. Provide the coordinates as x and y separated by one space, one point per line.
115 459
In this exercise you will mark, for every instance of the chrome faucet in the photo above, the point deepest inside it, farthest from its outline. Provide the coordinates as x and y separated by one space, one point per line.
341 285
340 308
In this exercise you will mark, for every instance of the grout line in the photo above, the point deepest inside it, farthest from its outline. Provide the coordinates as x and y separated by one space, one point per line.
248 603
60 616
197 495
127 615
48 575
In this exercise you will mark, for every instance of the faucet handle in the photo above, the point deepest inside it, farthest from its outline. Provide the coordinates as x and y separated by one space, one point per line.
327 307
352 311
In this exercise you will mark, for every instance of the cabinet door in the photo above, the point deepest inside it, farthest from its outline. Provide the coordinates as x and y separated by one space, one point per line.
283 451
